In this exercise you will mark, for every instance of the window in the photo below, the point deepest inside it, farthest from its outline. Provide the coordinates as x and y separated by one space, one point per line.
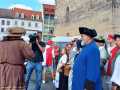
51 22
2 29
8 22
46 16
29 24
115 4
67 14
22 23
46 22
46 29
36 24
3 22
52 17
51 31
16 22
17 15
33 17
22 15
37 17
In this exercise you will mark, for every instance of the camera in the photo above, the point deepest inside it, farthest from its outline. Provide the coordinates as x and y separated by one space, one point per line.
33 38
80 44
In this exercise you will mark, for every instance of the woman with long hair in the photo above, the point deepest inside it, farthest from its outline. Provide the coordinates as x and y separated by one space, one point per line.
62 79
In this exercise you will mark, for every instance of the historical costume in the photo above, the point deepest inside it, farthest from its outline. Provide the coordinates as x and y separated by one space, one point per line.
103 52
86 69
116 74
103 58
48 59
61 80
13 52
111 60
116 65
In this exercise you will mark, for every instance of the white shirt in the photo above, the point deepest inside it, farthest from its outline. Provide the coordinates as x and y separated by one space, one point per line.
116 74
44 54
62 62
103 52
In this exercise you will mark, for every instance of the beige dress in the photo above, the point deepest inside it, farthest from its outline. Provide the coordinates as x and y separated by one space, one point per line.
12 57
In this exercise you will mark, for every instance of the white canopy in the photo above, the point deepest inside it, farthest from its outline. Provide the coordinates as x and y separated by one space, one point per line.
61 39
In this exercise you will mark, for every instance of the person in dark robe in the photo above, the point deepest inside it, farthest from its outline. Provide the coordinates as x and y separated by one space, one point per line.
86 69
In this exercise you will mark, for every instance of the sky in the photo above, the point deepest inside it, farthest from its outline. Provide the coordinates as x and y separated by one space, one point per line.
25 4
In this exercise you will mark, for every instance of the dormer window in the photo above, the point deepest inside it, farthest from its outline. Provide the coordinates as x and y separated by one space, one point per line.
22 15
32 17
37 17
17 15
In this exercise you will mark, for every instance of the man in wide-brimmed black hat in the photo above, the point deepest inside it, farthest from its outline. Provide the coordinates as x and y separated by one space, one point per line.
100 40
103 51
86 69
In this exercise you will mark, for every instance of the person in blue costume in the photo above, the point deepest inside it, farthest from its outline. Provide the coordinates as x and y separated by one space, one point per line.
86 69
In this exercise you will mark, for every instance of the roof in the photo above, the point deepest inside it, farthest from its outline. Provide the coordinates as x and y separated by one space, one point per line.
49 9
5 13
11 13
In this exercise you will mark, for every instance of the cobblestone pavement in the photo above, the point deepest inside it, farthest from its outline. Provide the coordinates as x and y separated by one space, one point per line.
47 86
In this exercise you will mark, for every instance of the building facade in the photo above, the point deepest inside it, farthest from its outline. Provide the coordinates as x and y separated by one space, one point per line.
30 20
49 22
102 15
6 23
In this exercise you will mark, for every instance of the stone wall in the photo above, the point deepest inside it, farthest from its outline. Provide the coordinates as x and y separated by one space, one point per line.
103 15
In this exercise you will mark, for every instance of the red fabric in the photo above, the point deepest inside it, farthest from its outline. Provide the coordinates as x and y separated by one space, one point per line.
49 42
112 58
56 50
49 56
110 37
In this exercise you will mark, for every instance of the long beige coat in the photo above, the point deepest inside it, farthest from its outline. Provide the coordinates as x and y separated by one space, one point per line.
12 57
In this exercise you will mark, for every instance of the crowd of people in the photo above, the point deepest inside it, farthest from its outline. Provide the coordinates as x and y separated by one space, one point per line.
89 63
92 63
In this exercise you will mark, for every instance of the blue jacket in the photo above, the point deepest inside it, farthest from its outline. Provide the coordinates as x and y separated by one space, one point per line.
87 67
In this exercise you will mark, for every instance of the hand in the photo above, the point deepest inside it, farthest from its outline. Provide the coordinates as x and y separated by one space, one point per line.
37 42
59 70
43 64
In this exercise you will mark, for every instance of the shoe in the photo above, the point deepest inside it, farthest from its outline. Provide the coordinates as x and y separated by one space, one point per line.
53 81
43 81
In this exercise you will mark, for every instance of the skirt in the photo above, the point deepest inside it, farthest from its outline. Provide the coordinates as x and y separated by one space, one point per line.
11 77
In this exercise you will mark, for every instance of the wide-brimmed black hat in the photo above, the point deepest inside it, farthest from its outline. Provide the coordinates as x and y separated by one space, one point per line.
88 31
116 36
100 39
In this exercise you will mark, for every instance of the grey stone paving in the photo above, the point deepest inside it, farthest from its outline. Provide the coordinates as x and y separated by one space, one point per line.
47 86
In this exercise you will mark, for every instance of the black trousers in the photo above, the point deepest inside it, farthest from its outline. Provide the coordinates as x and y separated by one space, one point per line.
63 83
